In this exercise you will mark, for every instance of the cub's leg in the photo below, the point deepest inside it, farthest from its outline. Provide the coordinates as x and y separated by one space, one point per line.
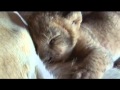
96 59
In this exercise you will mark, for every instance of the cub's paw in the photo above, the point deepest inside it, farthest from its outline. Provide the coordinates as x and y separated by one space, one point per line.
88 74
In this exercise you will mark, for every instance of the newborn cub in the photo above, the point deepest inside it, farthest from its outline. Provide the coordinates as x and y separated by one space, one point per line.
72 49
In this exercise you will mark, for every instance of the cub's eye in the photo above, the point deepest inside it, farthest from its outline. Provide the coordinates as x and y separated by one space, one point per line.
52 42
55 40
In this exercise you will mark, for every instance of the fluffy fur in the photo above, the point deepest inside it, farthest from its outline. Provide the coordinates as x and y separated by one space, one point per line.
72 49
18 59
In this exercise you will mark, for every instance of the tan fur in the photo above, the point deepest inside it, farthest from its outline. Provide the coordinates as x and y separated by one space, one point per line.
18 59
89 49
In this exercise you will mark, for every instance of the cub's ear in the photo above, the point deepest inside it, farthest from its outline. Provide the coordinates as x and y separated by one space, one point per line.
75 17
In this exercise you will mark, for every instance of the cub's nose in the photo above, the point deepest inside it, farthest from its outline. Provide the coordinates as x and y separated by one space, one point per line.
48 57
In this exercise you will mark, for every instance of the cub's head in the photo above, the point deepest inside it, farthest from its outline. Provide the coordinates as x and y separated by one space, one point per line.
54 33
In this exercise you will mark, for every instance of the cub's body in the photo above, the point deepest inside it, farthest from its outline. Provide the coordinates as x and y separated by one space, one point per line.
76 48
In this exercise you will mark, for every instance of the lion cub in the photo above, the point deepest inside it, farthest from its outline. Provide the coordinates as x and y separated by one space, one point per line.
75 49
